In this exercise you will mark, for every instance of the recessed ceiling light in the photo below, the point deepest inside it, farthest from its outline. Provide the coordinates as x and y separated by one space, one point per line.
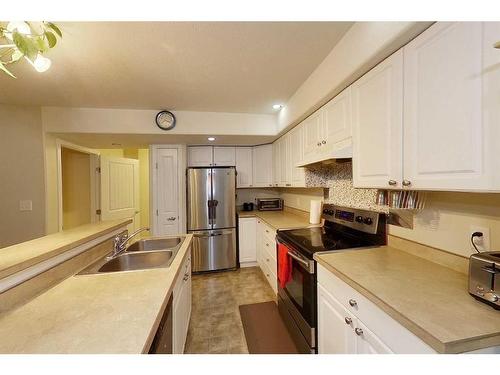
116 144
211 139
277 106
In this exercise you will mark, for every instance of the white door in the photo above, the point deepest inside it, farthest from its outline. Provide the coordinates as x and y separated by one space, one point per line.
335 326
312 130
244 167
367 342
336 121
444 134
377 119
247 228
224 156
120 189
167 181
296 156
263 166
200 156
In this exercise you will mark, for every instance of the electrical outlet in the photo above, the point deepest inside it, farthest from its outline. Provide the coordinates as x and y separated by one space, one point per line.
25 205
482 243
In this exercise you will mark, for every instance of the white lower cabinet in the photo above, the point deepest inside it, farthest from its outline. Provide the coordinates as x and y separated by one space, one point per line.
348 323
335 326
247 240
182 306
266 253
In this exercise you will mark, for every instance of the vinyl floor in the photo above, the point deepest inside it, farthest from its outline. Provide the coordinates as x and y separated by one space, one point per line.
215 326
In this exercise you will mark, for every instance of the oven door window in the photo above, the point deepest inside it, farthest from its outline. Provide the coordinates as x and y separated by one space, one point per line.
302 292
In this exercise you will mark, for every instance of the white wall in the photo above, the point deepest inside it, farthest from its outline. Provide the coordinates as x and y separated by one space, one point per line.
135 121
360 49
22 174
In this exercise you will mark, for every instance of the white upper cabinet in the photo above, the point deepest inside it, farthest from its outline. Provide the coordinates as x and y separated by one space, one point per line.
224 156
377 119
244 166
312 131
444 131
285 165
296 145
201 156
263 166
337 127
277 163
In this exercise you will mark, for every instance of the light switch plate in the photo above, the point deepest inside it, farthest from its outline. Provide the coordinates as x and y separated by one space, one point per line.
25 205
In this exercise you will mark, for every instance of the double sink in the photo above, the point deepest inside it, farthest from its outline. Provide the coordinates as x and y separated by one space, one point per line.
142 254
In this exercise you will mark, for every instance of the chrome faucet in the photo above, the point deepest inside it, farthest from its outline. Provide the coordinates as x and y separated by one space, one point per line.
121 240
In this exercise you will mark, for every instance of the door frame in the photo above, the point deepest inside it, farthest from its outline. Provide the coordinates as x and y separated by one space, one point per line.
154 188
94 180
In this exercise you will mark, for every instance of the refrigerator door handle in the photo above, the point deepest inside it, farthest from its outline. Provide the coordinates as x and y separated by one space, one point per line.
211 211
214 210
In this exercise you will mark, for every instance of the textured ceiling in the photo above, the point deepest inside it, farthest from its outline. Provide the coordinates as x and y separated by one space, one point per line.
197 66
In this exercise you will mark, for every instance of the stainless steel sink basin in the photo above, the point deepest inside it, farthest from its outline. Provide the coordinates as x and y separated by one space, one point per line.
143 254
155 244
138 261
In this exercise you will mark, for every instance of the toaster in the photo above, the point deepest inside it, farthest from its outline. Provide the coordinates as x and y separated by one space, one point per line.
484 277
269 204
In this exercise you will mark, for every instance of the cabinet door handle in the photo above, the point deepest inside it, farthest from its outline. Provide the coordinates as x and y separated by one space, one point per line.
406 183
392 182
171 218
267 244
323 141
358 331
319 143
353 302
348 320
186 277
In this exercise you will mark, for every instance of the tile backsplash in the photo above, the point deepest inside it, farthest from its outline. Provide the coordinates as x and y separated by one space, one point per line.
337 178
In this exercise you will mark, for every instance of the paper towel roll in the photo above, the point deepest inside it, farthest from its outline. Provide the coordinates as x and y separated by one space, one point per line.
315 212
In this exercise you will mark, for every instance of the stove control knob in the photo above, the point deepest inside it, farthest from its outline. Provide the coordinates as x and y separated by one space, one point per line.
368 221
330 212
359 219
325 211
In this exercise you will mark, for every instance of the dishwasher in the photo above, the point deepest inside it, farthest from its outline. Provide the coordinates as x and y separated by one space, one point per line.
163 341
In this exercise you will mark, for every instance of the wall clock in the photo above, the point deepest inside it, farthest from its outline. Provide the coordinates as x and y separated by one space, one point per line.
165 120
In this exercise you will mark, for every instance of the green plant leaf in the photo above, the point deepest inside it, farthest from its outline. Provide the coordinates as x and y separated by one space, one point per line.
55 28
16 55
51 39
42 44
25 44
6 71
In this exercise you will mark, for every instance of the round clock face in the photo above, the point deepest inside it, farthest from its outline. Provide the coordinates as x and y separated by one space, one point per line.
165 120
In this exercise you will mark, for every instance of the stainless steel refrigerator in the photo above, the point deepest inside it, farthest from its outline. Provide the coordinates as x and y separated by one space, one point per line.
211 217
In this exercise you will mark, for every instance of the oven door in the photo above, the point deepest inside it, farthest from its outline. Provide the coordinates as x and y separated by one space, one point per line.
300 291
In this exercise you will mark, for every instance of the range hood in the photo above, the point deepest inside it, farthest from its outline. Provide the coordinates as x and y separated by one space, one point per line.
341 150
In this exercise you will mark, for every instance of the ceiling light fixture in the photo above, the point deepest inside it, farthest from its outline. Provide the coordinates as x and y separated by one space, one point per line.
29 40
211 139
277 106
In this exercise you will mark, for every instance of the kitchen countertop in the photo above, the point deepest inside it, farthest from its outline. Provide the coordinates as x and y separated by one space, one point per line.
286 219
105 313
429 299
18 257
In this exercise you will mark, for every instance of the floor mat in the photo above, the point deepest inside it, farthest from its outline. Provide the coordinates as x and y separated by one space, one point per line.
265 331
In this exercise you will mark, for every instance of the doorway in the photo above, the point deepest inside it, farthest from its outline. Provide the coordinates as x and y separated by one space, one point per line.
77 188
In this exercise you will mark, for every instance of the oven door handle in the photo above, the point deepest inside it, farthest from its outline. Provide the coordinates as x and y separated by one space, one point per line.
304 263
